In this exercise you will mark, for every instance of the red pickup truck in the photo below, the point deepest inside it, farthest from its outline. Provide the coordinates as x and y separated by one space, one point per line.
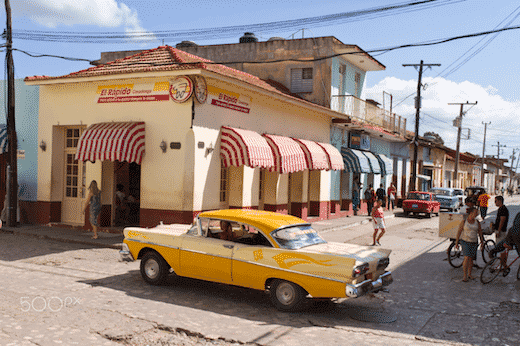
421 202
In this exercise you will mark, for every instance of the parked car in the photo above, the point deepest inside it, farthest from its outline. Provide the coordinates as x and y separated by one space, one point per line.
280 254
421 202
447 198
474 191
460 194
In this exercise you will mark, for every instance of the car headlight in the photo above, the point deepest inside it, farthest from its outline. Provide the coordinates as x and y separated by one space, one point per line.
360 270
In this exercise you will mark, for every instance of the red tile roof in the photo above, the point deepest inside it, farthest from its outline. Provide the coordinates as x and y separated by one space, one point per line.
167 58
163 58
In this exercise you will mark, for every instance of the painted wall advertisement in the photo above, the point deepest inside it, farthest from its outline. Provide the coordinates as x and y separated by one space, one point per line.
117 93
230 100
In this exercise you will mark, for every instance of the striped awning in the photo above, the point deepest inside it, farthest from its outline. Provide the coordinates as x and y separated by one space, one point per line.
288 154
315 155
374 163
333 157
387 165
355 161
243 147
3 138
113 141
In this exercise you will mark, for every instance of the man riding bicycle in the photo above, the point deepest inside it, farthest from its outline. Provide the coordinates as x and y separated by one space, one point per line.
512 240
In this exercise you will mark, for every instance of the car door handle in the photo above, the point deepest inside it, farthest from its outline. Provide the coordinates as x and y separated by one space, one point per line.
229 246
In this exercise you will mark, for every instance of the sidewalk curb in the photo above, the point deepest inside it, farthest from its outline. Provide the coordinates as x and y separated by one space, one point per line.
116 246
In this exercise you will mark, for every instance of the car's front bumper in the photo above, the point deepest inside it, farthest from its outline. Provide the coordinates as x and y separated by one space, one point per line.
369 286
125 253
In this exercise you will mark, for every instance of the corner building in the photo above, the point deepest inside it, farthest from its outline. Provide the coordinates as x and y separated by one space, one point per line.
181 135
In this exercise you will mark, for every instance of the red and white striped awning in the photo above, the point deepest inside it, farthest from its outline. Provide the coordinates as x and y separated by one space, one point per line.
333 156
288 154
315 155
243 147
121 141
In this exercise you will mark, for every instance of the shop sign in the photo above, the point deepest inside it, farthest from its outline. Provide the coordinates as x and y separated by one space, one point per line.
359 141
181 89
229 100
118 93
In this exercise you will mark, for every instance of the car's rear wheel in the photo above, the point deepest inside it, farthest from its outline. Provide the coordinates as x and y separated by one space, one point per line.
286 296
154 268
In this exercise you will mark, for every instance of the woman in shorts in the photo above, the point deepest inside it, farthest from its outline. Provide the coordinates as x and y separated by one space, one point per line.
467 236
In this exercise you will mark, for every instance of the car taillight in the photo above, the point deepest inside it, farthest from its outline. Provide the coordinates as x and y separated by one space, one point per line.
383 263
360 270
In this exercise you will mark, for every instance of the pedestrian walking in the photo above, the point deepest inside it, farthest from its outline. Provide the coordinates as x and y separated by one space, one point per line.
370 197
483 203
381 195
378 221
391 196
94 201
468 235
356 190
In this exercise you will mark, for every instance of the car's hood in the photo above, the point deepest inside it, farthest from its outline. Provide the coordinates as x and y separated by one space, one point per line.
358 252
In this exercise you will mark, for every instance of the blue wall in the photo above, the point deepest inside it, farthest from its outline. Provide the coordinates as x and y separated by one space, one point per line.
26 117
349 83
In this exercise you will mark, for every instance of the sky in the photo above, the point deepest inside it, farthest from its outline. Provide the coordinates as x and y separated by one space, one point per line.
481 69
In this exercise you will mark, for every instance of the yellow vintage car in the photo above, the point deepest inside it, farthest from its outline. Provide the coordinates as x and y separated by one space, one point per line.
262 250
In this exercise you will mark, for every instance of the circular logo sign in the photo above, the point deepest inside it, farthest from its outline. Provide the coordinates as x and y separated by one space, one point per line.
201 89
181 89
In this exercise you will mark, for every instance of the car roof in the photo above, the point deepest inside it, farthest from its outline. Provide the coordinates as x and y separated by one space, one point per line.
261 219
442 188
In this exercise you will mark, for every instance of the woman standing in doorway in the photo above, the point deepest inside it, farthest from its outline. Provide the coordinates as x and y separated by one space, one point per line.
94 201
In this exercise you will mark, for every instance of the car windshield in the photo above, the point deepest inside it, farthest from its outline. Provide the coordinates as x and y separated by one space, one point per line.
441 192
419 196
458 192
296 237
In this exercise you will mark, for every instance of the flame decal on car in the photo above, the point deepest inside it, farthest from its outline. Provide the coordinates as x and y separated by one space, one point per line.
283 260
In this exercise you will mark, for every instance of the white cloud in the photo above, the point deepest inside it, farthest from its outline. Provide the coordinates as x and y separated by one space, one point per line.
437 115
102 13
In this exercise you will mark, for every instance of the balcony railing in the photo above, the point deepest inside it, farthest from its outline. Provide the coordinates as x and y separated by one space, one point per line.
369 113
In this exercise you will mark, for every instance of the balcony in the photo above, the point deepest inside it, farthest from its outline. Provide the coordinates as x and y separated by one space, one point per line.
369 113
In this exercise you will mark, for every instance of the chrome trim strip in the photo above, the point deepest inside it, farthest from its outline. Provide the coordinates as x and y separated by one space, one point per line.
151 243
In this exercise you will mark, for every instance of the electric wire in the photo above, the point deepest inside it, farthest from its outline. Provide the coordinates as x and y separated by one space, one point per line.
221 32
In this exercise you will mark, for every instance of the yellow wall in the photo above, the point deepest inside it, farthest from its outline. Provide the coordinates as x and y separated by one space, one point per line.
183 179
162 174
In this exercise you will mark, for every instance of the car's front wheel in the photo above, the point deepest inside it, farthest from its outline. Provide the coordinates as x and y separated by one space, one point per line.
286 296
154 268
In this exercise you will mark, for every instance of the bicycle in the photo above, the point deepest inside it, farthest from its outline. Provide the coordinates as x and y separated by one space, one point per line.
495 267
456 257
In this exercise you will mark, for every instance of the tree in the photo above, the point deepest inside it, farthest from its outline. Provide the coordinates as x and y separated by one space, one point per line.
434 137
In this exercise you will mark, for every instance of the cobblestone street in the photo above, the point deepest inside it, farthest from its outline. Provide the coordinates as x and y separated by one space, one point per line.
74 294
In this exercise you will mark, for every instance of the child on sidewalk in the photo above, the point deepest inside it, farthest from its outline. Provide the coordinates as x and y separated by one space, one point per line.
378 220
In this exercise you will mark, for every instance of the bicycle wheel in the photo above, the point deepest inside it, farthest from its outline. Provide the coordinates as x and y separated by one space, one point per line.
490 271
488 246
455 256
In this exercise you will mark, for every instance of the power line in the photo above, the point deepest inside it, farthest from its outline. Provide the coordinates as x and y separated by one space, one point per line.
220 32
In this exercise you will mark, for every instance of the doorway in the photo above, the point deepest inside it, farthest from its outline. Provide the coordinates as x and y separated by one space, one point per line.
127 180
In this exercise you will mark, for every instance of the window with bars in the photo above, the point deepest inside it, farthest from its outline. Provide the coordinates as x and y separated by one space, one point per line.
301 79
73 137
223 183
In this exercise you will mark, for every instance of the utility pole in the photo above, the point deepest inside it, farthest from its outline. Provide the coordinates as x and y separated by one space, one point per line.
498 149
417 113
498 159
459 123
12 170
511 170
483 153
